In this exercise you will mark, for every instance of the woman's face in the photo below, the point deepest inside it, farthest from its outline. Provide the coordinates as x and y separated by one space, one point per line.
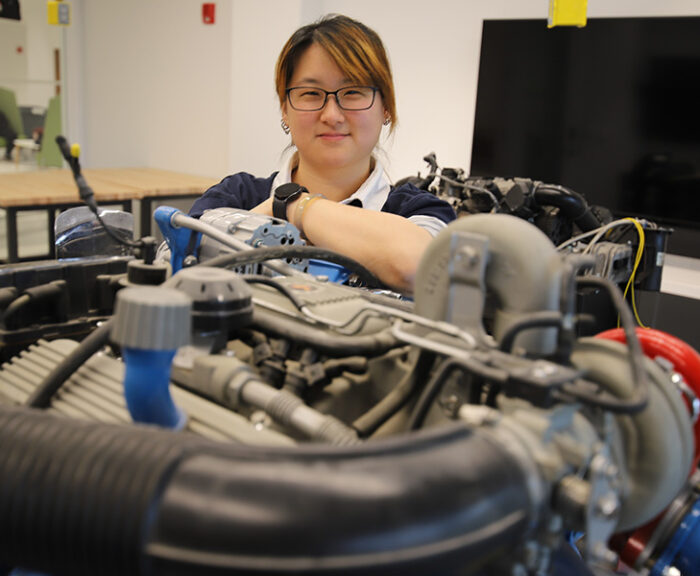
331 138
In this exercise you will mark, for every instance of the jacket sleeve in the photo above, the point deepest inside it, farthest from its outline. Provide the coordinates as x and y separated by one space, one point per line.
241 190
408 201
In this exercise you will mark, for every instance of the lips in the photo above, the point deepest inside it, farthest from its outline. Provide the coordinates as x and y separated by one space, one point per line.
332 136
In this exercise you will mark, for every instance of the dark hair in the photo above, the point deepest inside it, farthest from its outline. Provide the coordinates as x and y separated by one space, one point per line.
356 49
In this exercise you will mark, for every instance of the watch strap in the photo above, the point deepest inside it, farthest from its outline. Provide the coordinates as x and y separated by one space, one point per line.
279 208
282 196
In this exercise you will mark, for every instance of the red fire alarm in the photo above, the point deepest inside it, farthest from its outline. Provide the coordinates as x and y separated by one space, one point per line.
208 12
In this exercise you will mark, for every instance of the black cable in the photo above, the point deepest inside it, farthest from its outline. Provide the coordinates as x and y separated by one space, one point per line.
371 420
483 190
87 195
268 281
263 254
16 305
113 236
7 295
41 397
606 401
541 319
433 388
455 183
55 291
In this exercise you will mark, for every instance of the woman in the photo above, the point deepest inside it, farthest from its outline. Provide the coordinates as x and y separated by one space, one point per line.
336 92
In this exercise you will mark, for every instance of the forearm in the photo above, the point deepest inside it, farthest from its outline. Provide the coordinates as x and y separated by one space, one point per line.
389 245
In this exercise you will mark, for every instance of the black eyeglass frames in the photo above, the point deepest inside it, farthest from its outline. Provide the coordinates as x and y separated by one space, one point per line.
311 98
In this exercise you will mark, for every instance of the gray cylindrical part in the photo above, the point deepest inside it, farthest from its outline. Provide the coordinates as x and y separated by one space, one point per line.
290 411
232 382
151 318
658 441
523 271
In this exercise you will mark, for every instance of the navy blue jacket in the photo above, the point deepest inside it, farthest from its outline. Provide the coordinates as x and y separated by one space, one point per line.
245 191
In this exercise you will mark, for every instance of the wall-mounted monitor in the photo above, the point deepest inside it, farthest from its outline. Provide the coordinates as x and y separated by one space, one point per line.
611 110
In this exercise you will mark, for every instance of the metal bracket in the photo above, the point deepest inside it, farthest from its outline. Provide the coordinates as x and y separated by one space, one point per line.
467 286
603 509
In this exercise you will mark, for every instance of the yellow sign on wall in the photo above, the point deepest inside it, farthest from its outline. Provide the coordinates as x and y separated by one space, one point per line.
567 13
58 12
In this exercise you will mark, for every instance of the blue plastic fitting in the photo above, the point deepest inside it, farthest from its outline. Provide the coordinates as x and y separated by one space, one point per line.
683 550
147 388
334 272
178 239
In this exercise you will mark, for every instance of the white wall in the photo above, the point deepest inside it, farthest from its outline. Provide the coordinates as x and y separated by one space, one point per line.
42 40
26 55
13 64
154 85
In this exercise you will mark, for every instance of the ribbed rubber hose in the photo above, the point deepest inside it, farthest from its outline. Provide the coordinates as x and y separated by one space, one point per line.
87 498
75 496
97 339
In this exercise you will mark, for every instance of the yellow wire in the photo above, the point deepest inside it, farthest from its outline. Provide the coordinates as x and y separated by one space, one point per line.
637 260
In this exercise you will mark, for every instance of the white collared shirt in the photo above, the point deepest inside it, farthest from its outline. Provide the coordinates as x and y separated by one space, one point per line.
372 194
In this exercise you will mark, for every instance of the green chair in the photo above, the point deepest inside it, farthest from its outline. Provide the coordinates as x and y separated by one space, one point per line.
49 154
8 106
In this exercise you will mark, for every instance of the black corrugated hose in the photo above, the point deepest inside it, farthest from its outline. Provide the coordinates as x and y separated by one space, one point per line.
88 498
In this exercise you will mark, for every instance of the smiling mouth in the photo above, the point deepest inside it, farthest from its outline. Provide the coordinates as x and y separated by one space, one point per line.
332 137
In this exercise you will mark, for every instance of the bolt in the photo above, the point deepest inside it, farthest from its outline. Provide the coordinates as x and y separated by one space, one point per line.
607 506
188 261
451 405
260 420
468 256
542 370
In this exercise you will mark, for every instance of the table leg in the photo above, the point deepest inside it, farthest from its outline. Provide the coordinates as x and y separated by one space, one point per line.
145 217
11 228
51 215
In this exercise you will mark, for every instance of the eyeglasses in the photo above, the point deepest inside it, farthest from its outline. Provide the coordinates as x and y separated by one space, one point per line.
310 99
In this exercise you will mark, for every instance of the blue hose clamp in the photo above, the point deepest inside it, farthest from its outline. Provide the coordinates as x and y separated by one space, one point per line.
179 239
683 550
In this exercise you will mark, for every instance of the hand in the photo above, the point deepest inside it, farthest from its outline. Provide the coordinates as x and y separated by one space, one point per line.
264 208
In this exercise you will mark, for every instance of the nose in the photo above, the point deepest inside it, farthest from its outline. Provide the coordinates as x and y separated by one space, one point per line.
332 113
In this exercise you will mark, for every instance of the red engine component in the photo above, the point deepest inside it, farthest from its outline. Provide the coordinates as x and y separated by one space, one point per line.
684 358
686 361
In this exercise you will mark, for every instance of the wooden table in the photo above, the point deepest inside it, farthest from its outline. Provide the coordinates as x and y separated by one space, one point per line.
52 190
153 185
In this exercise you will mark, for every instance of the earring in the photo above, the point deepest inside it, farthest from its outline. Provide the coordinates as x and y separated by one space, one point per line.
387 121
285 126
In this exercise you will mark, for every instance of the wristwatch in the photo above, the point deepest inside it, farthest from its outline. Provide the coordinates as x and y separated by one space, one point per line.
282 196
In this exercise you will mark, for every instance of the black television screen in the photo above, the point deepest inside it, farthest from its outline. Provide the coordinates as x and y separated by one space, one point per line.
611 110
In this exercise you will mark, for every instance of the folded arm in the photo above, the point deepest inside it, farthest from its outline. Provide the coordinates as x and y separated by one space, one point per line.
390 246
